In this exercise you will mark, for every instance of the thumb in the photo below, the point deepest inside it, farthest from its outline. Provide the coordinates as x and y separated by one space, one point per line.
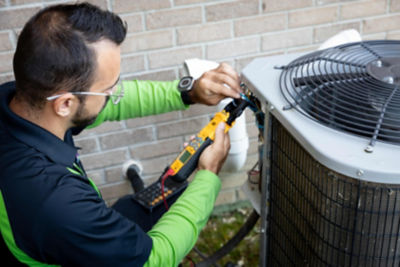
220 133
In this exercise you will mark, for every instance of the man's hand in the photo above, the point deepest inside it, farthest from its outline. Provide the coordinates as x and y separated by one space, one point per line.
215 85
215 155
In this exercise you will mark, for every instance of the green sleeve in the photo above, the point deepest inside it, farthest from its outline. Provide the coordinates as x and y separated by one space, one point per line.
142 98
177 231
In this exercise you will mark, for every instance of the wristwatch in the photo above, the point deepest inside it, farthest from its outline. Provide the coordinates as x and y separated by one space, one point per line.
184 86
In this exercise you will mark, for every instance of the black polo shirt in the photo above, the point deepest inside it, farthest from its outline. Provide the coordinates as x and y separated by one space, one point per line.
55 214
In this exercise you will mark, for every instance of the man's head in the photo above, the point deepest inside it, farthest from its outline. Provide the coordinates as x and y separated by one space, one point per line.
58 51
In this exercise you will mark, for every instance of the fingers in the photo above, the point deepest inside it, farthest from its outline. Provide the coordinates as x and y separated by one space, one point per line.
221 91
220 84
214 156
215 85
228 76
220 134
192 137
227 91
228 70
227 142
221 140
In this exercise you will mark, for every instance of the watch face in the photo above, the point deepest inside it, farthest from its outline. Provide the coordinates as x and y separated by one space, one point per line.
186 83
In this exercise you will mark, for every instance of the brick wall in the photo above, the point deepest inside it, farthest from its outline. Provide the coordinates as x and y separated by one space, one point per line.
162 33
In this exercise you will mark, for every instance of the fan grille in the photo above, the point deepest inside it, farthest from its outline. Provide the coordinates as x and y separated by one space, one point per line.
318 217
352 88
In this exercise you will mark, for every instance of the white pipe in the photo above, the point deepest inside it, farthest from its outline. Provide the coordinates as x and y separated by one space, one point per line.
239 142
238 133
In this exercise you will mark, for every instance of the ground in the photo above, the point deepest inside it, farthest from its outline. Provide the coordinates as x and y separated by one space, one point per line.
219 229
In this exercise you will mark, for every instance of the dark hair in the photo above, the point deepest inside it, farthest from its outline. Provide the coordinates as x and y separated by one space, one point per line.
52 53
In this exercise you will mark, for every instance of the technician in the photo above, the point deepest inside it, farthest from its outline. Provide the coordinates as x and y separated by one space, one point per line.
67 77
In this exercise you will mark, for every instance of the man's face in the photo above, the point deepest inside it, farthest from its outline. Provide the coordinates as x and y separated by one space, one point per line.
106 76
82 118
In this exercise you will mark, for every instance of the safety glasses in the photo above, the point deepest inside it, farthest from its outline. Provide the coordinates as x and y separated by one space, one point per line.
115 93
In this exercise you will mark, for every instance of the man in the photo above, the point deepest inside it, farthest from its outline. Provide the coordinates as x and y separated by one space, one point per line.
67 68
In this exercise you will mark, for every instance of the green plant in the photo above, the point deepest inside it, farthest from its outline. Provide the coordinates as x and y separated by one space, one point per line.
219 229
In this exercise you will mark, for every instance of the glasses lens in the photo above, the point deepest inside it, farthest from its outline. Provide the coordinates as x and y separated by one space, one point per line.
117 93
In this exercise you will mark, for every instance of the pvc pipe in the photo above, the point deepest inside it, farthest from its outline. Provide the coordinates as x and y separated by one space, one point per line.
239 142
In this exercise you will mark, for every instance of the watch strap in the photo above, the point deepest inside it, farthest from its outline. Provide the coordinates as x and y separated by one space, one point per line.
186 99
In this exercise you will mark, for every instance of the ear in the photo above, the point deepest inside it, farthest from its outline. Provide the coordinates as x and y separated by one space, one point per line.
64 105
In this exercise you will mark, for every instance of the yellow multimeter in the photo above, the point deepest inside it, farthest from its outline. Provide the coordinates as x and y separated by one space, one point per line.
186 162
183 166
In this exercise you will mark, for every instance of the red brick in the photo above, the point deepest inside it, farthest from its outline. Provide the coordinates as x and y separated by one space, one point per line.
126 6
231 10
173 17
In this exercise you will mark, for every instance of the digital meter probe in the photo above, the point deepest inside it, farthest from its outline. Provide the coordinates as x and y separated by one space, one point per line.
183 166
187 160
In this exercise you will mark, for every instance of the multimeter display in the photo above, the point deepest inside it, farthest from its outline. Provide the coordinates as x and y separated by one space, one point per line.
186 155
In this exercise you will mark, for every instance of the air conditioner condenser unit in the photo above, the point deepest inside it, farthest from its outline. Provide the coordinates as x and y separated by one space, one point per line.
332 194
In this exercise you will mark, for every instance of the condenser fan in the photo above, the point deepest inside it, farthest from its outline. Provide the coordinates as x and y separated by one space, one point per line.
352 88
